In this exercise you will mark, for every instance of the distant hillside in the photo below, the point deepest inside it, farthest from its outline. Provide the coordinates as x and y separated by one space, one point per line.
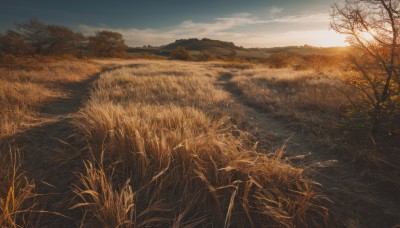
195 44
217 47
303 50
224 48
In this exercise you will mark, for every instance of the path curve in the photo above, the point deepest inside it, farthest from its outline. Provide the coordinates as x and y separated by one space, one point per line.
48 153
355 201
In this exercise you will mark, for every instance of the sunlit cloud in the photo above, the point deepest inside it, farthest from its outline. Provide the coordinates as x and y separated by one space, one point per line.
230 29
319 38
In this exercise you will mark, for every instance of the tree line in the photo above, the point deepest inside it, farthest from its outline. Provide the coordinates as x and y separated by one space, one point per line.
38 38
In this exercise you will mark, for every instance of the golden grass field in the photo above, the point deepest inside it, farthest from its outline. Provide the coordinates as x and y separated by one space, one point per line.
28 85
293 94
154 126
178 144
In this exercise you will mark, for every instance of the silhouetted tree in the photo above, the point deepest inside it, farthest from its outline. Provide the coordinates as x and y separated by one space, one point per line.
13 43
36 34
372 27
107 44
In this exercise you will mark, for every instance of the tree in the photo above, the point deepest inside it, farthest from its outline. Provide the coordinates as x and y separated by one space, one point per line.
372 28
48 39
36 34
63 40
13 43
107 44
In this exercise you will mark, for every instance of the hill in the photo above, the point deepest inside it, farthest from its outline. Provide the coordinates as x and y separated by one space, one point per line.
195 44
224 48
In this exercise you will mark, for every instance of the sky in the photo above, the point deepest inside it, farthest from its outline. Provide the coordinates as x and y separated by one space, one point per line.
248 23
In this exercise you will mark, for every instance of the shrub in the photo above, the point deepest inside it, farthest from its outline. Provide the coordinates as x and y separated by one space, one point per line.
283 60
107 44
181 53
206 56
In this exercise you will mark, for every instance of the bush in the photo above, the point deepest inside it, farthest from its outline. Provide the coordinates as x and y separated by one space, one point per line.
181 53
107 44
281 60
206 56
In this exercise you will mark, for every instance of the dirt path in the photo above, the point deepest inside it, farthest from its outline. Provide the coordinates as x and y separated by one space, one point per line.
49 157
356 202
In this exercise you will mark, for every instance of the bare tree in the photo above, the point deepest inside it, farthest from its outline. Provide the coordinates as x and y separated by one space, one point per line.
372 28
63 40
36 33
107 44
13 43
50 39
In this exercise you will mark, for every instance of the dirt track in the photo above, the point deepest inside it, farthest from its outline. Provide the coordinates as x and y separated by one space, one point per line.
355 200
50 159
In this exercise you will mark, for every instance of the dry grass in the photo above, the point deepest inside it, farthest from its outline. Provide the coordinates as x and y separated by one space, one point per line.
159 129
306 97
47 70
27 84
111 208
18 101
16 192
163 146
182 84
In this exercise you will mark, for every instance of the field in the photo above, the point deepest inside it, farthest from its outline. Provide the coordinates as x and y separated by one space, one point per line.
161 143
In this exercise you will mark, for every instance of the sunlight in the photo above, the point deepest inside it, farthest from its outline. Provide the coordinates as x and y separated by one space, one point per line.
366 36
318 38
328 39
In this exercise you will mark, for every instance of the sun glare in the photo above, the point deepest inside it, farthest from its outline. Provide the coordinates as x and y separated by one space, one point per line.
319 38
329 39
366 36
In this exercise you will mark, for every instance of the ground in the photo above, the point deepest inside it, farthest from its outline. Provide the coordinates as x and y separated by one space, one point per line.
354 200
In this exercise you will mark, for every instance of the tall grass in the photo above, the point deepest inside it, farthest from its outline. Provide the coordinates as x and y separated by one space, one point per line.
18 101
16 192
29 83
151 129
306 97
47 70
111 208
26 85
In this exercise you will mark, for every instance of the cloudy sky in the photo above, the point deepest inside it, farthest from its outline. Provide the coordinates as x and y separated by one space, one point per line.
248 23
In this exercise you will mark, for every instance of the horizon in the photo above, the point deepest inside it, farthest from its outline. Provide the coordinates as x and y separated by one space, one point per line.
259 24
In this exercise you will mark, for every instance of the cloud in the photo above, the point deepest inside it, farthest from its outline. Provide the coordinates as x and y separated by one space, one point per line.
302 19
275 10
319 38
231 29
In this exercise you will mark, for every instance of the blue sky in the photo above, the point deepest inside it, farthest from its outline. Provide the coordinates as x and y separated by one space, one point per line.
249 23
